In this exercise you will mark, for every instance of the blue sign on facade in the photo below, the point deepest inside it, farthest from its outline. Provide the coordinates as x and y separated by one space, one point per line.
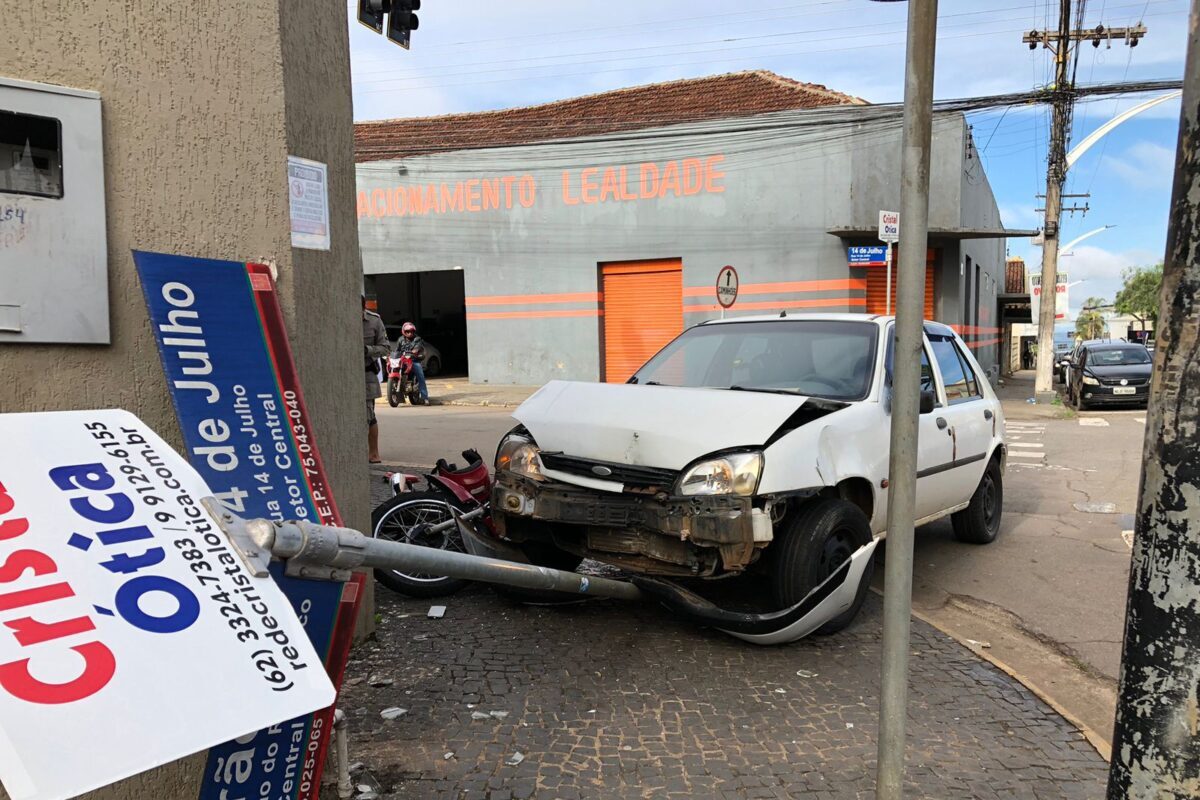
228 364
870 256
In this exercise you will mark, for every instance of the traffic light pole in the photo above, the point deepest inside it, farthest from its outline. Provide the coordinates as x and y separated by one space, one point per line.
1156 741
906 388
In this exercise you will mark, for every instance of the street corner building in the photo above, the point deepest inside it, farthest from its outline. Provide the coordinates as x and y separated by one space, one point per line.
574 239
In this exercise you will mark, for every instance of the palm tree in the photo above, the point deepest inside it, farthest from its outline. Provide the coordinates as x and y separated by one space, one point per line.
1090 322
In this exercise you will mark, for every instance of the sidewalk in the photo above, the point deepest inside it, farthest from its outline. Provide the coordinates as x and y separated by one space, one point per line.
1014 394
605 699
461 392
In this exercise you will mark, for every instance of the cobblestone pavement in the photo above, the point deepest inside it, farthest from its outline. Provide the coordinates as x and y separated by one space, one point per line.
613 700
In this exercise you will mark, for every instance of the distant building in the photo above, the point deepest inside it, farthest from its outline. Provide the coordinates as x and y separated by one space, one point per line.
574 239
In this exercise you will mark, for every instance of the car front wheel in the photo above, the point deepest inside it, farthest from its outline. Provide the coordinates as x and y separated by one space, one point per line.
979 522
817 542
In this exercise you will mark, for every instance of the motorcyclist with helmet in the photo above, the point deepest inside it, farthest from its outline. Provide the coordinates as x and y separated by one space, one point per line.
412 344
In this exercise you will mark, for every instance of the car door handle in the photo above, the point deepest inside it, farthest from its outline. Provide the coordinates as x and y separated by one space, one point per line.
987 413
941 423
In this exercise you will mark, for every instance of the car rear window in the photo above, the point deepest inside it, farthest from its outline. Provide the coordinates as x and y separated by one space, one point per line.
1118 356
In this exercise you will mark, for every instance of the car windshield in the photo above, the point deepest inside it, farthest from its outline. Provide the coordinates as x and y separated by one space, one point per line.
1118 356
820 358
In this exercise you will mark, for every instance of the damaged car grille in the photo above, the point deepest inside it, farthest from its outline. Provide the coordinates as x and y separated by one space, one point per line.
627 474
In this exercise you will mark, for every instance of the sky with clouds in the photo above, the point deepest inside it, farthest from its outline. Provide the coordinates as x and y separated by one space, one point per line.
472 55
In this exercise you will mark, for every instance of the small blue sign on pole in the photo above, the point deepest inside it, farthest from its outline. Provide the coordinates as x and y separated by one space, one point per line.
869 256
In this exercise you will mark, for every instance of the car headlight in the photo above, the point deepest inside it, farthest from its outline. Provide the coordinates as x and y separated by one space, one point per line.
736 473
1090 381
520 455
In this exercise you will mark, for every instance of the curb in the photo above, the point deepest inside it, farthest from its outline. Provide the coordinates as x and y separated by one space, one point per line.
1101 745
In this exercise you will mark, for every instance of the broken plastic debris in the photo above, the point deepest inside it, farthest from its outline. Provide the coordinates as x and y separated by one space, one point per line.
480 715
437 612
379 680
803 673
781 691
393 712
849 725
448 755
498 714
515 758
984 645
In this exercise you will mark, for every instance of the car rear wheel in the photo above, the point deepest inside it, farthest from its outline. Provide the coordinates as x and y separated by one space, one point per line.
433 368
814 545
979 523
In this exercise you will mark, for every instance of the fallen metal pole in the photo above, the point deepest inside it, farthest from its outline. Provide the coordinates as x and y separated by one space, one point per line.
323 552
1156 740
906 390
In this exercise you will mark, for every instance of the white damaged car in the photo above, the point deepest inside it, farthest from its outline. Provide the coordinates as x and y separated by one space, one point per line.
760 445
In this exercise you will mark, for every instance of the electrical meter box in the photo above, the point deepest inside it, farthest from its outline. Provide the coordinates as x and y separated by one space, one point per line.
53 245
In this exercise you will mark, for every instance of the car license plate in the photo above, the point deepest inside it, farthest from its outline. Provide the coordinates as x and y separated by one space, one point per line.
1124 390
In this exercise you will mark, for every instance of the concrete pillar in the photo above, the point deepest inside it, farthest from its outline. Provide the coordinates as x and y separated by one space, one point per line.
202 104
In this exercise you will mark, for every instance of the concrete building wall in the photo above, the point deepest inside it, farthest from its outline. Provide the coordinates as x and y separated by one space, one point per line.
202 103
767 210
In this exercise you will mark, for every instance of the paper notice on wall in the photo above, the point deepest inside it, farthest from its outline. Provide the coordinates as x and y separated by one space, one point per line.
308 198
133 633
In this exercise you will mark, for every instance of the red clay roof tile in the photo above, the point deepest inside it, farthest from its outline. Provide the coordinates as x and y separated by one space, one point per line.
735 94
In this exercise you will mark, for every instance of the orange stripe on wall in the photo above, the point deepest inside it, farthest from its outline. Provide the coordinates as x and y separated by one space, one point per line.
787 287
516 299
984 343
821 302
548 313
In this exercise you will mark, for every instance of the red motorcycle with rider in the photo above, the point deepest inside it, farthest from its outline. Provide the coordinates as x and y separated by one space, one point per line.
406 373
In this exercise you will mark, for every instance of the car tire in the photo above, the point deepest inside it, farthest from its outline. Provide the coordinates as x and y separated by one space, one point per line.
814 544
433 368
979 522
394 521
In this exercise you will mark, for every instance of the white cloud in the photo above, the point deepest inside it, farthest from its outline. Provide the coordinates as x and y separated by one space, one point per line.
1100 270
1016 215
1144 165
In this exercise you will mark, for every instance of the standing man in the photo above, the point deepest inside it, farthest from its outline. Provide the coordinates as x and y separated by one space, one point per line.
375 347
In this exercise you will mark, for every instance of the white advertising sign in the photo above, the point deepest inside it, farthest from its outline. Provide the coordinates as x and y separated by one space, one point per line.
1061 296
131 633
308 198
889 226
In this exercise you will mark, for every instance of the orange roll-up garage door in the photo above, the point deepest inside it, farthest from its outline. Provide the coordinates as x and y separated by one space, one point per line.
643 310
877 287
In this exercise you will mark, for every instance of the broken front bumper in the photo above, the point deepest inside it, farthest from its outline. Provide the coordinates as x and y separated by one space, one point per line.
655 533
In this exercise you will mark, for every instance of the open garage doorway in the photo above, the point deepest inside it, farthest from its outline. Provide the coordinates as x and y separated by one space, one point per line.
435 301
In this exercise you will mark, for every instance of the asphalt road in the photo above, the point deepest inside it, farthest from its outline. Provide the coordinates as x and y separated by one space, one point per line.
1047 597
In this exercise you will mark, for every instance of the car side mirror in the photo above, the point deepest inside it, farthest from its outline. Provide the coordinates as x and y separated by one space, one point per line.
928 401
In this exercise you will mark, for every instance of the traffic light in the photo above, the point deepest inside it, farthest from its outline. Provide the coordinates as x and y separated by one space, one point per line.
402 21
370 13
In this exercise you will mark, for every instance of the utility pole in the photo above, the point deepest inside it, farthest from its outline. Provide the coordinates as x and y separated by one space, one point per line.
1156 746
1060 43
906 392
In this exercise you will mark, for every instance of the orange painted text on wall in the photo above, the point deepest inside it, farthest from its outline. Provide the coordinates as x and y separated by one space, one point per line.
588 185
476 194
642 181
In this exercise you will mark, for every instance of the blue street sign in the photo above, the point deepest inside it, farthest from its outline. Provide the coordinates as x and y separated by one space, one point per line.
871 256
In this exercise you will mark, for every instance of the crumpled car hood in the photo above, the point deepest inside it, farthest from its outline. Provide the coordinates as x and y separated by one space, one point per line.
654 426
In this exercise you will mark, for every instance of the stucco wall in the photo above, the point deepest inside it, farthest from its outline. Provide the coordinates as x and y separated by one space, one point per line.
198 123
779 195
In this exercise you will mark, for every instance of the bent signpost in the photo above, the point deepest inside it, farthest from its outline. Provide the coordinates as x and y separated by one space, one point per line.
227 360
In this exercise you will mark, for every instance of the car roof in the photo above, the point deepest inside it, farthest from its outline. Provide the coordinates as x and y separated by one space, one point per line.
825 316
1102 345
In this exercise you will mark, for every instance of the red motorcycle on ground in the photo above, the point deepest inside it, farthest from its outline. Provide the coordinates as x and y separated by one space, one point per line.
428 518
402 383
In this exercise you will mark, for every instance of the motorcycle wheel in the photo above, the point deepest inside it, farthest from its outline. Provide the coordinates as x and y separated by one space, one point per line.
394 398
397 520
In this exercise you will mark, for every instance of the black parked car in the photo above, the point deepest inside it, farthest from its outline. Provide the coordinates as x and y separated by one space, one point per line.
1109 373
